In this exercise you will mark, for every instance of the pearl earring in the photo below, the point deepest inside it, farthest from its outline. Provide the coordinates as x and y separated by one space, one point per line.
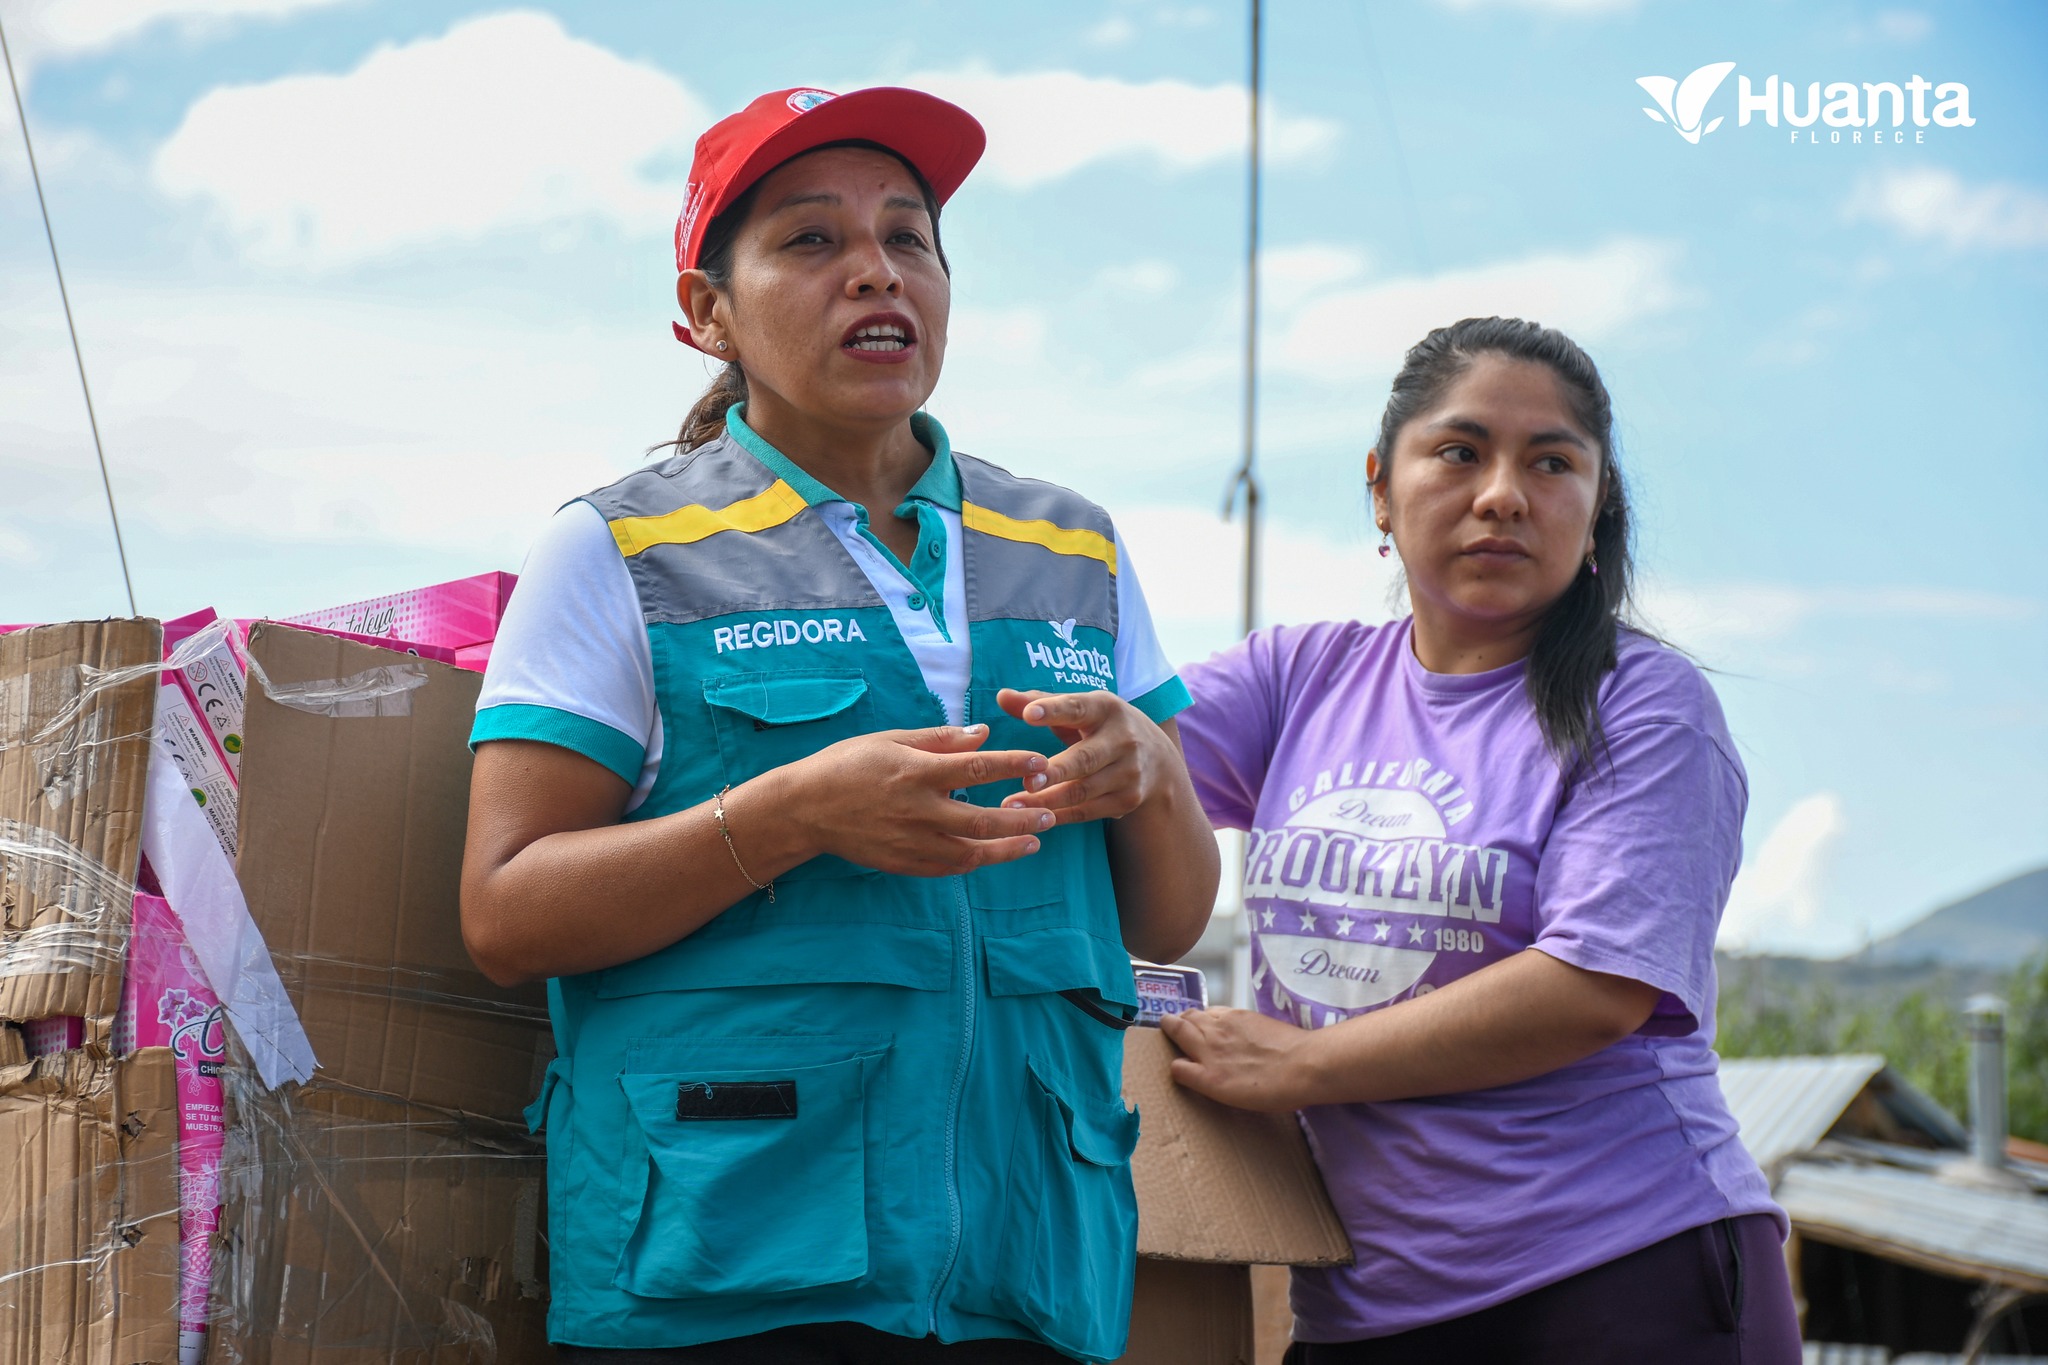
721 345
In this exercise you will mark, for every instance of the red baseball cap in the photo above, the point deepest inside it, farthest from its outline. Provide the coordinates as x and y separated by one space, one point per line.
943 141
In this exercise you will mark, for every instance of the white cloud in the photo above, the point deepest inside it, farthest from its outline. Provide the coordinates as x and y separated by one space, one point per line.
1191 563
1114 31
1043 125
1903 25
1779 899
1592 295
46 28
507 121
1291 275
502 121
1147 278
1929 203
16 548
90 25
1715 617
292 418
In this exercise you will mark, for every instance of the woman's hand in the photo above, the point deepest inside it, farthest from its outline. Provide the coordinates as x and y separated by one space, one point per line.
1240 1058
885 801
1122 767
1524 1016
1116 758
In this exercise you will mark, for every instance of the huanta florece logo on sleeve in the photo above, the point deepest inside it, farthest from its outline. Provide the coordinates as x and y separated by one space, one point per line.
1868 112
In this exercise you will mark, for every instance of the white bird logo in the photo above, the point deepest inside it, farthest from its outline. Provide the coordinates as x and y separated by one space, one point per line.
1065 630
1684 101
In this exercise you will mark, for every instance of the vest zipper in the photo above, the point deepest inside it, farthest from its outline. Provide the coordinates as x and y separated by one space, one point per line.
967 995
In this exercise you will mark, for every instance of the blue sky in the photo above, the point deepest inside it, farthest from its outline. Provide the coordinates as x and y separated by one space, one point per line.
367 289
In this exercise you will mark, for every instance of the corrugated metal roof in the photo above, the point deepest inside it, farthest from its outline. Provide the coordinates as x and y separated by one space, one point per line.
1787 1104
1955 1229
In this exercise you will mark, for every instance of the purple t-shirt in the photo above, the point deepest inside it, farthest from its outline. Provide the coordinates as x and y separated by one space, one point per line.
1407 828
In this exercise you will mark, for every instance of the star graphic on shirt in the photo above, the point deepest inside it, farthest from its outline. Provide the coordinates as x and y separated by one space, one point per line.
1379 930
1344 927
1308 921
1415 933
1266 918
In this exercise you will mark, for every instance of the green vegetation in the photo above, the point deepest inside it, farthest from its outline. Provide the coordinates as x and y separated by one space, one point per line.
1919 1031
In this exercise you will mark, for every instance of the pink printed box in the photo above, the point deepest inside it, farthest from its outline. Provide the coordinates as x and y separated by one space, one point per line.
461 616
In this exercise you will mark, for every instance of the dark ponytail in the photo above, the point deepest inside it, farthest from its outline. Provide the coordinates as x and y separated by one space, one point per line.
706 418
1575 645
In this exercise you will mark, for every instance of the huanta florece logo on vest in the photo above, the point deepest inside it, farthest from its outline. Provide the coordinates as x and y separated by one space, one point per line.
1073 663
1871 112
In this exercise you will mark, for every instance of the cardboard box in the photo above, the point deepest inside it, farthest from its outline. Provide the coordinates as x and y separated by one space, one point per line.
77 705
1219 1190
89 1211
361 1231
351 859
461 617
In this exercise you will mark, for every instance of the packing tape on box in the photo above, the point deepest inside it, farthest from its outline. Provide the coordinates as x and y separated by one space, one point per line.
198 880
61 729
63 875
383 691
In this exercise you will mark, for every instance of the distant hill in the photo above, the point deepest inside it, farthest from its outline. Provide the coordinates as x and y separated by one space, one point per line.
1994 930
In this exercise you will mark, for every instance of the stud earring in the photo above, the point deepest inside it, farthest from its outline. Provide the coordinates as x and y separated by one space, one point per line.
721 345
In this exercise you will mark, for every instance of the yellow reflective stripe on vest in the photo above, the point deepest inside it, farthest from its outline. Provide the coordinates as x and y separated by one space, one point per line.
1061 540
772 506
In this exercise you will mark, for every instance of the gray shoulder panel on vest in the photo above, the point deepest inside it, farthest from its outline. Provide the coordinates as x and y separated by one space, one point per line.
1014 580
796 566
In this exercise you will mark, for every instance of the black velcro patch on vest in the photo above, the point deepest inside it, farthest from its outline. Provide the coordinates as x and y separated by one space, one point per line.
736 1100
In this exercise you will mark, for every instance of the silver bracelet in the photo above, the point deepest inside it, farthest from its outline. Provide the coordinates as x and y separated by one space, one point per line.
718 811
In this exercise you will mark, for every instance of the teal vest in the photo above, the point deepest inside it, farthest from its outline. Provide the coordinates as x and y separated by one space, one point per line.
877 1099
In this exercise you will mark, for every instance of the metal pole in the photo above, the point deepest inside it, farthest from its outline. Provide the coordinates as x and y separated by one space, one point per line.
76 354
1984 1019
1246 479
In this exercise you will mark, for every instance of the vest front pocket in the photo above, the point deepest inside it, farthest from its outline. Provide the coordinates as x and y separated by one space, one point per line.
1070 1231
748 1177
765 721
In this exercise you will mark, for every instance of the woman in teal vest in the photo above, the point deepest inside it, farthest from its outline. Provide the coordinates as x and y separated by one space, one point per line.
829 777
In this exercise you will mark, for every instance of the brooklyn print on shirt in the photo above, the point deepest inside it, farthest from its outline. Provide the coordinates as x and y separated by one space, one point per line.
1363 887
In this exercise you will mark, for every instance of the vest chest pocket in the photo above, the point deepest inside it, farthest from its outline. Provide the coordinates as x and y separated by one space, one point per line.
766 720
747 1172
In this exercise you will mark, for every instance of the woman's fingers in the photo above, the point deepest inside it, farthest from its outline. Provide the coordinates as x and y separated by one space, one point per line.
978 768
1082 711
982 823
1105 794
941 739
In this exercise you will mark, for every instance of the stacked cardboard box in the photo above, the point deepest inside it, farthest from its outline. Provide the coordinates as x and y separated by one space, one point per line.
388 1208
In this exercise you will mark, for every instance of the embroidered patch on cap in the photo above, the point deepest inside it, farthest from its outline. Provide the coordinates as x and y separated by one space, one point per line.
803 101
736 1100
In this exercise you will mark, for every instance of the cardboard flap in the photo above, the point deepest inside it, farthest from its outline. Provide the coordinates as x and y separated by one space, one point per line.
1222 1184
355 802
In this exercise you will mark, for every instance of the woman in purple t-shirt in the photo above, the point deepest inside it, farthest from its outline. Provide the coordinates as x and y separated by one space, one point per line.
1489 846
